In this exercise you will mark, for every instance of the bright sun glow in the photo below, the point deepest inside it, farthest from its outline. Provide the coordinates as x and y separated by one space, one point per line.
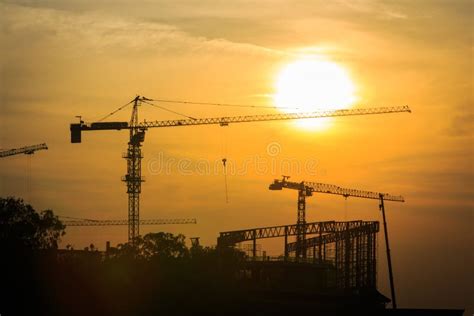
311 85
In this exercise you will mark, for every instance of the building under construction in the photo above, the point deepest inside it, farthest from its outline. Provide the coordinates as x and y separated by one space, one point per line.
344 253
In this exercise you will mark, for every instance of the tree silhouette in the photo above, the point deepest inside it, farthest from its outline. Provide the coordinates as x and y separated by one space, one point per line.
159 245
22 227
164 245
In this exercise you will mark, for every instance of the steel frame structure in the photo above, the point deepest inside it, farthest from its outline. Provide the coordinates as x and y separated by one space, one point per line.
350 248
231 238
355 259
352 229
354 253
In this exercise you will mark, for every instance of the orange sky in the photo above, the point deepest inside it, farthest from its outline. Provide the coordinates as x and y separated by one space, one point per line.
61 59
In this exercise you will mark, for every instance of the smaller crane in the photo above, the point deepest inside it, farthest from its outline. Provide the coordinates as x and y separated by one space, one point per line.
27 150
308 188
94 222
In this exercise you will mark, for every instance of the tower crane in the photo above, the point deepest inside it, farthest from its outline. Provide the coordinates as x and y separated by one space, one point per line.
306 189
119 222
137 130
27 150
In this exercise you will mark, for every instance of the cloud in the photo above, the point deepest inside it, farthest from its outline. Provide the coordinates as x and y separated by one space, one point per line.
462 124
377 9
440 177
101 31
54 52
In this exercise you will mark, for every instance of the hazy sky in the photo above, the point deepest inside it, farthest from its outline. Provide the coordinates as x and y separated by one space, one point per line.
65 58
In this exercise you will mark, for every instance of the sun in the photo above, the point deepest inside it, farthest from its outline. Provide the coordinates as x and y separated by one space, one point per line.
311 85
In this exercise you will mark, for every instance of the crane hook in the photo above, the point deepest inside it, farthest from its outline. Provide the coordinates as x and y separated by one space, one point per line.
224 161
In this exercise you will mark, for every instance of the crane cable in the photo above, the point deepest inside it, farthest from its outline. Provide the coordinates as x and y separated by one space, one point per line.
224 161
115 111
345 208
222 104
28 178
166 109
224 145
191 102
224 142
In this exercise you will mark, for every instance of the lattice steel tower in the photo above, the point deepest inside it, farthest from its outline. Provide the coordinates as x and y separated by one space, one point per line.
301 220
133 178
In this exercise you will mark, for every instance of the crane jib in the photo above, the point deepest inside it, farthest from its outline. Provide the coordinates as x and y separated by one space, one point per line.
224 121
28 150
77 128
333 189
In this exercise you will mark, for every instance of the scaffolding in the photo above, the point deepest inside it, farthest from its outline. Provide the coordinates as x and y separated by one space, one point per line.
347 251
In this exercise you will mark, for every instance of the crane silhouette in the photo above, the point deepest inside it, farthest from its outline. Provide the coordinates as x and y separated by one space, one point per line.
27 150
73 221
306 189
137 130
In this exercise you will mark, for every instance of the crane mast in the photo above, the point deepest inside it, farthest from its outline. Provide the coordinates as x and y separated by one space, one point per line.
133 178
137 129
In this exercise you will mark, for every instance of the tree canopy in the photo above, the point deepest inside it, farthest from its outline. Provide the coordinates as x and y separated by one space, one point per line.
23 227
158 245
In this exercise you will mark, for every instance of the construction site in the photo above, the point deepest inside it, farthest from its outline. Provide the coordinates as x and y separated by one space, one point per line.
323 266
236 157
